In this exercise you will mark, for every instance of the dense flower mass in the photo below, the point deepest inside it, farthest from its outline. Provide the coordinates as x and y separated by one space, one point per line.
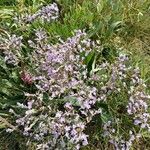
61 72
61 65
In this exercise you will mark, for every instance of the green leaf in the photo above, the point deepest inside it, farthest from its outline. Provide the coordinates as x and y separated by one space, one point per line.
2 125
116 24
105 117
89 57
73 101
100 6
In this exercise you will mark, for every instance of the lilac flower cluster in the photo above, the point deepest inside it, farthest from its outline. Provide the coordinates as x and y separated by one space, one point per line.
47 13
11 49
14 42
60 67
118 140
137 106
61 130
10 58
138 101
110 82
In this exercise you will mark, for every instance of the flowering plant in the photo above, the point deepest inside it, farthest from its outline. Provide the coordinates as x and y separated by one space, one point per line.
70 95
